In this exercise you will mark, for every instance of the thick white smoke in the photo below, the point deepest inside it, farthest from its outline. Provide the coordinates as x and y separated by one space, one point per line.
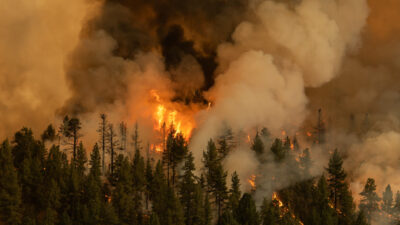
273 58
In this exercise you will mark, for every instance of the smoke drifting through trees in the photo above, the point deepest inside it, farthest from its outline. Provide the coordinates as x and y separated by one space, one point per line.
260 63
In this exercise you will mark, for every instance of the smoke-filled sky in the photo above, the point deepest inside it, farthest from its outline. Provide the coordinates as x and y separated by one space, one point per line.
261 63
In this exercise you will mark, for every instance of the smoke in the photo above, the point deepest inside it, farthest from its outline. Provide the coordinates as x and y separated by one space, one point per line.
260 63
35 37
270 62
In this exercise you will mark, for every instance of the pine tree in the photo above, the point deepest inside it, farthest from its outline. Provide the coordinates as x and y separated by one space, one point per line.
396 207
227 219
270 213
93 189
258 145
336 178
369 201
278 150
70 130
81 160
102 130
53 197
246 213
216 176
234 193
49 134
187 190
387 198
324 212
178 152
122 200
112 146
225 143
149 180
207 210
305 163
10 191
139 182
361 220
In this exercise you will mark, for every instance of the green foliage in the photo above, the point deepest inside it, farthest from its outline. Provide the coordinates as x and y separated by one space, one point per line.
258 145
387 198
216 176
246 213
369 201
278 150
10 191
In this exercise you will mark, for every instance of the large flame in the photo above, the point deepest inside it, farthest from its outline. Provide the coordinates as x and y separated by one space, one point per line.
165 116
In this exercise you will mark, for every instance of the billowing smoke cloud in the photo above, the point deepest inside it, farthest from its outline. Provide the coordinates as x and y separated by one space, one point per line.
273 58
35 37
261 64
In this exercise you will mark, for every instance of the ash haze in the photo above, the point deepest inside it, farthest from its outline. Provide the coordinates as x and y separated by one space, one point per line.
242 64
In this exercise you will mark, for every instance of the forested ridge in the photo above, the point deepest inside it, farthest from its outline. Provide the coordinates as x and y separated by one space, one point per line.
53 180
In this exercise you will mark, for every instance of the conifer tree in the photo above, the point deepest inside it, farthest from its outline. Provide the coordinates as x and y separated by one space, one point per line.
258 145
93 189
139 182
70 130
187 190
216 176
336 178
10 191
246 213
49 134
361 220
270 212
149 180
123 194
369 201
278 150
387 198
225 143
81 160
324 212
112 146
234 193
396 207
102 130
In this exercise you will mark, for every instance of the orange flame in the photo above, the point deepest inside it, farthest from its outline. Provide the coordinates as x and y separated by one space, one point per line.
309 134
167 114
252 181
276 198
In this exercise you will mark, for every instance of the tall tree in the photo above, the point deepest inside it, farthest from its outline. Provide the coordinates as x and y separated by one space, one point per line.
369 200
336 178
387 198
10 191
258 145
49 134
278 150
246 213
123 133
102 130
112 146
70 130
216 176
187 190
225 142
234 193
320 129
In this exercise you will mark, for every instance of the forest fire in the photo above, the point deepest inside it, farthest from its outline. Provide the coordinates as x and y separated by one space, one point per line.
166 116
252 181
